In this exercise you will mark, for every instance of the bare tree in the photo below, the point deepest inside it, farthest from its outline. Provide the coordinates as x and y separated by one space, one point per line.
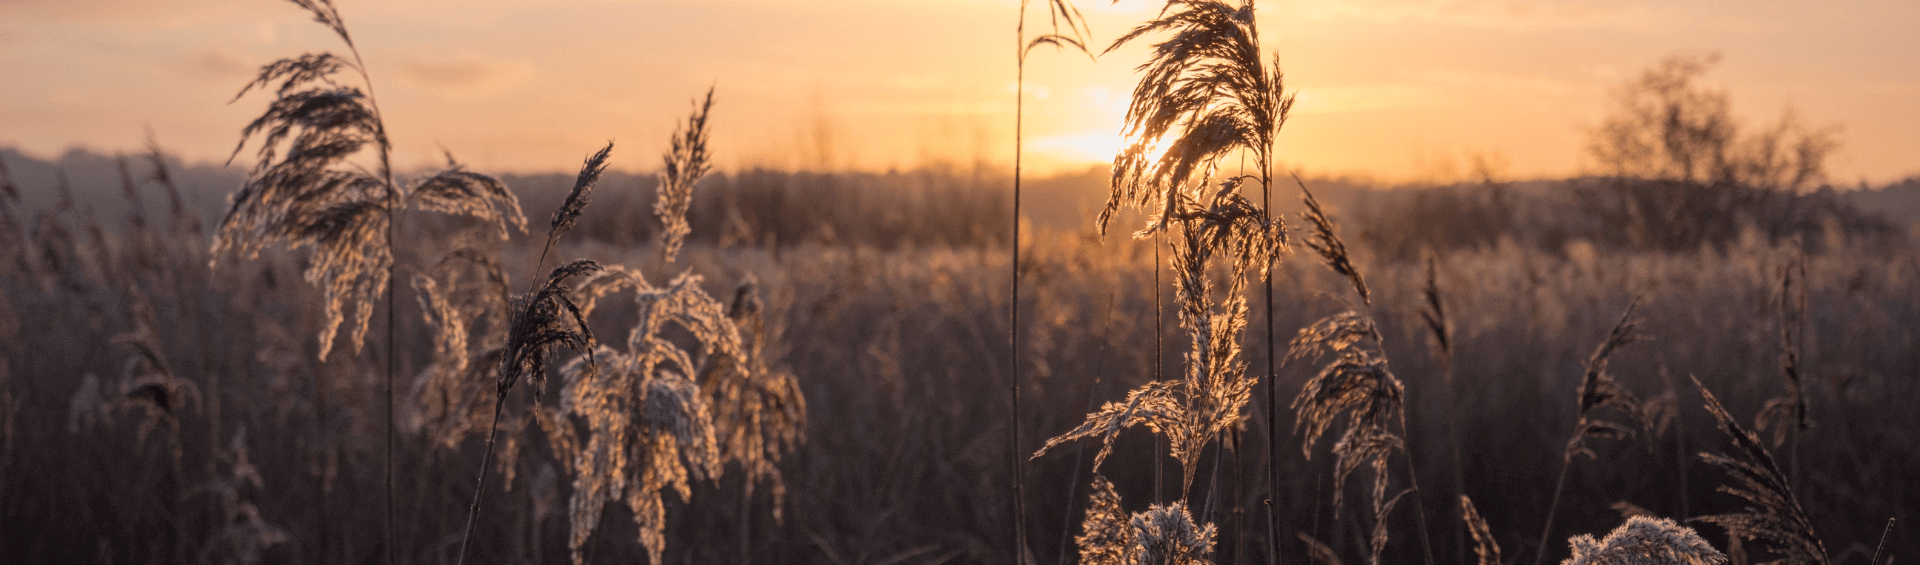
1681 170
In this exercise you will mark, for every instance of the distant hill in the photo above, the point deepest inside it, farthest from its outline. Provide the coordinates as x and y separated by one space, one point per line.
95 181
928 206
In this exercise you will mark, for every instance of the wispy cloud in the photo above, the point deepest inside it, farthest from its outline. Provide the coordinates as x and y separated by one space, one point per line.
466 74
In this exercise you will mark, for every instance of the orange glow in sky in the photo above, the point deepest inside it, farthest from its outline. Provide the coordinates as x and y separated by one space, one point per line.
1395 89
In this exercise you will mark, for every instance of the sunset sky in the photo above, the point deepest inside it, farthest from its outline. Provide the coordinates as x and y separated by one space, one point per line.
1395 89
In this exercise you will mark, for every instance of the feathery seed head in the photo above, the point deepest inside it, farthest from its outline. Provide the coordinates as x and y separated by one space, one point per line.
480 196
1645 541
540 325
1166 535
1106 534
581 195
1773 515
684 164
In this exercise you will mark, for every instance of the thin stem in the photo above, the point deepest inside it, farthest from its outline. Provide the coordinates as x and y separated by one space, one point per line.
1013 342
320 478
480 489
393 261
393 207
1158 348
1547 528
1273 376
1413 481
1207 508
1883 543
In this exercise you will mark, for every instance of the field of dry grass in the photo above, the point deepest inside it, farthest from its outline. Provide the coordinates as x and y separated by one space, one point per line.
897 353
1700 358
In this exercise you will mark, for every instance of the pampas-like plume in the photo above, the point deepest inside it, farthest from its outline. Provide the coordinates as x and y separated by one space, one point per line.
1106 537
1645 541
1164 534
683 165
540 325
1167 535
185 223
1153 405
304 198
649 428
1356 382
1773 515
243 535
1439 328
1598 389
1205 93
482 197
449 404
538 328
1327 244
150 382
758 410
1213 393
577 199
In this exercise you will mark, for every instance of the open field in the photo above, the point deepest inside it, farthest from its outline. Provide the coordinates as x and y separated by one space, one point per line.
900 354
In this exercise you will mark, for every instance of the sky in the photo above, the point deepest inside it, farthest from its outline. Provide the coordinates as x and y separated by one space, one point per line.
1396 90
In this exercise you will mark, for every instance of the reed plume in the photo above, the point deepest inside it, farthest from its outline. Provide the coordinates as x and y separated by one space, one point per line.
1599 390
458 191
1355 382
648 427
1204 94
542 320
1214 389
1161 535
149 382
460 309
308 196
1645 540
1773 515
683 165
758 410
638 421
658 415
313 196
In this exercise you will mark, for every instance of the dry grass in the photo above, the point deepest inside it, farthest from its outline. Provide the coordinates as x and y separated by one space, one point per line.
1773 515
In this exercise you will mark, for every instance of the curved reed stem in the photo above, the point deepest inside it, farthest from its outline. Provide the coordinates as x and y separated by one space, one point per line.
473 510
